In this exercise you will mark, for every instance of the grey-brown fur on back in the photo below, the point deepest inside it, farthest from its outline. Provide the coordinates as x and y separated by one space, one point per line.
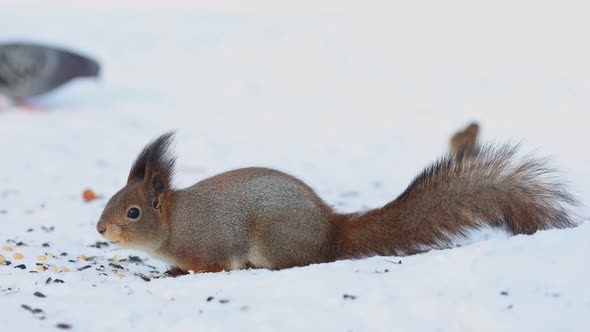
252 217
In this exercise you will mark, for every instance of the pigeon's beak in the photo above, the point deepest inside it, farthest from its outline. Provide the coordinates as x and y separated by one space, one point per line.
85 67
93 69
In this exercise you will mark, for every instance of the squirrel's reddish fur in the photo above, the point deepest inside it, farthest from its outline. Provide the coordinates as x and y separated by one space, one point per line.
259 217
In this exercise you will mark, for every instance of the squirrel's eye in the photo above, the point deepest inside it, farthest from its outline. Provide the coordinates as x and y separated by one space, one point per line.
133 213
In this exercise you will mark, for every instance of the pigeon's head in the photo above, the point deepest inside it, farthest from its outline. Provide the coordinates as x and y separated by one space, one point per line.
73 65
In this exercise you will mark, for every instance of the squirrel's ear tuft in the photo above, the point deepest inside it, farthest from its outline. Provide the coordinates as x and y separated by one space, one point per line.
155 158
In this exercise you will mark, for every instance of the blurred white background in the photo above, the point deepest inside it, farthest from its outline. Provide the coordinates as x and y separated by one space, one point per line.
323 83
354 97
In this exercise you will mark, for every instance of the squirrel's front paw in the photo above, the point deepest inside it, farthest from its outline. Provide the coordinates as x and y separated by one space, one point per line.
175 272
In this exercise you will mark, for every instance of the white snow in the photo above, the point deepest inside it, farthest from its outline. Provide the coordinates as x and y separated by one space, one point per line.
352 97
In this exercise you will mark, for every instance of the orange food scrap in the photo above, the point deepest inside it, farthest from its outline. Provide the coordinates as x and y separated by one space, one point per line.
88 195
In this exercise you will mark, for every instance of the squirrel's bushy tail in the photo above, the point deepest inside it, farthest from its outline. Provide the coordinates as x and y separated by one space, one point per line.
478 187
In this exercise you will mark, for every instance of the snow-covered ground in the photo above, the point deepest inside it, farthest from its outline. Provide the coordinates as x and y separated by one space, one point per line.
352 97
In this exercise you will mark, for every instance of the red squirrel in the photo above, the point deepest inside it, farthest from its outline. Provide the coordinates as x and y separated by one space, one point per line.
264 218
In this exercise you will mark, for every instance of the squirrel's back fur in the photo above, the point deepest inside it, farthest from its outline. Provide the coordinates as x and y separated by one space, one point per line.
259 217
262 218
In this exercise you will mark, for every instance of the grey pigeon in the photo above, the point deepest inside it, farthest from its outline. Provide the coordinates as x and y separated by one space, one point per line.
28 69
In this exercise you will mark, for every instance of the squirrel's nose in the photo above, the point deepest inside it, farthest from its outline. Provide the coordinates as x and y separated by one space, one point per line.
101 228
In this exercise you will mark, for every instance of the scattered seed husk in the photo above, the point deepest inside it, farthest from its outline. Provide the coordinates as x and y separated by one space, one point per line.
135 259
6 248
64 269
42 258
20 266
54 269
143 277
63 326
41 268
349 297
17 255
223 301
58 281
116 266
48 229
99 245
39 294
48 280
210 298
2 260
84 267
37 312
9 290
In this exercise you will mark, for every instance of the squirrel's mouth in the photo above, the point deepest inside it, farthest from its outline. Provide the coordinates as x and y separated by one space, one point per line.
114 242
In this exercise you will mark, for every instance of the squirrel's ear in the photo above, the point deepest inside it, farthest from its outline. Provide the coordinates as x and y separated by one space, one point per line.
156 188
154 167
138 170
155 157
